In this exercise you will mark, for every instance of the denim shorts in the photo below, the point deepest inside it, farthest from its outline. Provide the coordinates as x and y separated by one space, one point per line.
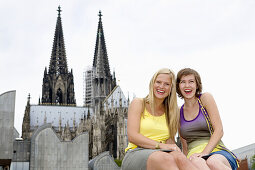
229 157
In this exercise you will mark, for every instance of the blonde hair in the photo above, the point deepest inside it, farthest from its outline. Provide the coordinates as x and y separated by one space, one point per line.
170 102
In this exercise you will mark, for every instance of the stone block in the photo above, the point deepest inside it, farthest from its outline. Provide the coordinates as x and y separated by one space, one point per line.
48 152
7 108
103 162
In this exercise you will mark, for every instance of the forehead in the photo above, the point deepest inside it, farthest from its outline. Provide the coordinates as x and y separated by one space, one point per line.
188 77
165 77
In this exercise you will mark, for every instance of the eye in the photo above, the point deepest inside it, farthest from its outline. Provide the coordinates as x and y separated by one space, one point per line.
167 84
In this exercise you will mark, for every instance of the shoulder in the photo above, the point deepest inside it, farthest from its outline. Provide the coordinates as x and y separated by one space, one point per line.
207 98
137 103
206 95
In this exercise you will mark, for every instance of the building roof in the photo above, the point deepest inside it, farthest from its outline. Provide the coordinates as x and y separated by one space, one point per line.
41 114
246 151
114 98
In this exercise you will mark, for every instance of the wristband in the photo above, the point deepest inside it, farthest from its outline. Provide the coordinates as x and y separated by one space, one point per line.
157 145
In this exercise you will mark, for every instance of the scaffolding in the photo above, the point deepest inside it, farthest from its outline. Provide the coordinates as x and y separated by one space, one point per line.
88 75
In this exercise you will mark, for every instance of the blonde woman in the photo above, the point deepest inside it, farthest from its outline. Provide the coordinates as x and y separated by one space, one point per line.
151 127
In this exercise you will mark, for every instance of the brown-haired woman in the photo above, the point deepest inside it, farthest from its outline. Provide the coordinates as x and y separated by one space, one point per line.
200 124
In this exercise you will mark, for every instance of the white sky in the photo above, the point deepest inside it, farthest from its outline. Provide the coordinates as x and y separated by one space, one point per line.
214 37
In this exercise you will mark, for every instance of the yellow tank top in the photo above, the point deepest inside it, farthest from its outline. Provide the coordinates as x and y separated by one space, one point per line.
153 127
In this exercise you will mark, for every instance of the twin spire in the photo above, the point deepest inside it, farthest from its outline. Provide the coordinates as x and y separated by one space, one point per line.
100 62
58 62
58 84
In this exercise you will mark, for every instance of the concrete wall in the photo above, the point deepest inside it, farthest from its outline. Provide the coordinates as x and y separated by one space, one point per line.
21 151
21 155
15 133
49 153
19 166
7 107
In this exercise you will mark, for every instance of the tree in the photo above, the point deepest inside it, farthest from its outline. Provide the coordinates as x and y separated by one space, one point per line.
253 162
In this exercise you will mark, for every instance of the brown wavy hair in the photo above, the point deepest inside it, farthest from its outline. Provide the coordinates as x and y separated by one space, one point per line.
185 72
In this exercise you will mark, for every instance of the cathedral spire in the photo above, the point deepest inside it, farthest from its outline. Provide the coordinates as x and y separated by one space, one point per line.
58 84
26 121
100 62
28 99
102 82
58 62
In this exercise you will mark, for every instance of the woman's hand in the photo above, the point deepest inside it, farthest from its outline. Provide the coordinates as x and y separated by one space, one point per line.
173 147
199 155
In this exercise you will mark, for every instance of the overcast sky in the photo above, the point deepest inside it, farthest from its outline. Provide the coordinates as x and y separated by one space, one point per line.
217 38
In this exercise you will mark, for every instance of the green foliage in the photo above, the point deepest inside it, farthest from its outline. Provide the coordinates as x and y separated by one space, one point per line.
253 162
118 162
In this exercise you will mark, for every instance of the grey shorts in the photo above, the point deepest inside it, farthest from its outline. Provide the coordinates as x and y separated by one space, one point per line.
136 159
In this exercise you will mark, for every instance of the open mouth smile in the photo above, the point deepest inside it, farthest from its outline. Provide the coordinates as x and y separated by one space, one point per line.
160 91
188 91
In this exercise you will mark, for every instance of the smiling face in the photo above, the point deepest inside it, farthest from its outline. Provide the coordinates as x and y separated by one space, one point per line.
162 86
188 86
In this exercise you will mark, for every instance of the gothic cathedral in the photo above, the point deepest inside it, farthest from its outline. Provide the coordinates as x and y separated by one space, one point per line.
104 113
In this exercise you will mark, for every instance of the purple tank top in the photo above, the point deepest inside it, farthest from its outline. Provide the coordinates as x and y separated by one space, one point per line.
194 130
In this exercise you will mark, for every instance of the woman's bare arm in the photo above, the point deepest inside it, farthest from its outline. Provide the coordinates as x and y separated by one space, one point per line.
213 112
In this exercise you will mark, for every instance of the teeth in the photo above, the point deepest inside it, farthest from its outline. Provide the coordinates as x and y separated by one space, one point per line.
187 90
161 91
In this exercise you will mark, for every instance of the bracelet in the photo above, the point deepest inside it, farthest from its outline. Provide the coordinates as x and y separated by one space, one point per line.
157 145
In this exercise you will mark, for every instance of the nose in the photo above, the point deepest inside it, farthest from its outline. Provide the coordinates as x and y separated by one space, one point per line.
161 85
186 84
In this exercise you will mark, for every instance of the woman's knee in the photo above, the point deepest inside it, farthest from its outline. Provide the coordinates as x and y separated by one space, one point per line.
200 163
161 161
161 157
216 160
178 156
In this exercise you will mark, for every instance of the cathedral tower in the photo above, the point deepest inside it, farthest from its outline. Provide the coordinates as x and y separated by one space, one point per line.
58 84
102 80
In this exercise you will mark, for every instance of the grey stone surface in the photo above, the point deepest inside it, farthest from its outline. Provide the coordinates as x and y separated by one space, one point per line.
21 151
15 133
103 162
7 107
49 153
19 166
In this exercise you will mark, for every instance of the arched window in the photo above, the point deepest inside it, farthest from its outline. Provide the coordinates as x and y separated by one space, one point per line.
59 96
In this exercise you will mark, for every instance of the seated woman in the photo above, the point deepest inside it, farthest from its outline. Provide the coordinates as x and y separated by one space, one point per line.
200 124
151 127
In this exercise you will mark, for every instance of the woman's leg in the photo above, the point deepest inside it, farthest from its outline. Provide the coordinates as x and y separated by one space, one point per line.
183 163
161 161
199 163
218 162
